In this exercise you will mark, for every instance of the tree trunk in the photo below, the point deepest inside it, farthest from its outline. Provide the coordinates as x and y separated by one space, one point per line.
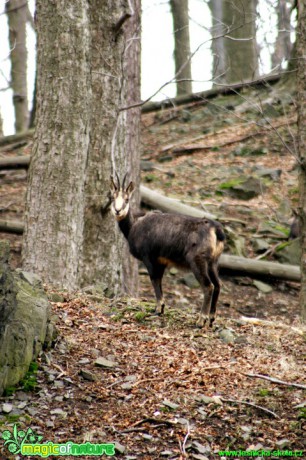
16 11
283 45
217 45
129 129
301 107
55 196
110 147
179 9
235 54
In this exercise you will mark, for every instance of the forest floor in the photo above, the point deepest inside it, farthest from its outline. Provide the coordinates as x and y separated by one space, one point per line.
159 387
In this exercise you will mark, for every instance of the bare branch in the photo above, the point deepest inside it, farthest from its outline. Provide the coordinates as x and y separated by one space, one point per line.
277 381
234 401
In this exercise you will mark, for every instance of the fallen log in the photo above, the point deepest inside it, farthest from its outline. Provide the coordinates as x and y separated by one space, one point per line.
19 137
234 265
152 106
20 162
158 201
11 226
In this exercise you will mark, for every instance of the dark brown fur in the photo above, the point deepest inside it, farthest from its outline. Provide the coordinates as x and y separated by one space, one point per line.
160 240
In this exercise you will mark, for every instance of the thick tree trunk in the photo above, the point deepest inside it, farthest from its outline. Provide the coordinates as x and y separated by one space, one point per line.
240 59
103 249
179 9
55 196
16 11
129 129
301 106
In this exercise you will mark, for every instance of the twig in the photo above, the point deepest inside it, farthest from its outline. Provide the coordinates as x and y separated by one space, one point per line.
155 421
274 380
185 439
238 401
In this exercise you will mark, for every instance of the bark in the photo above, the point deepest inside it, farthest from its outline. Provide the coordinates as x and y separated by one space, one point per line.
180 16
217 45
236 56
301 107
103 249
129 129
55 196
283 45
16 11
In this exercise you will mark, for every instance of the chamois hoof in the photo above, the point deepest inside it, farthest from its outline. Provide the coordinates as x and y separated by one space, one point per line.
202 321
211 321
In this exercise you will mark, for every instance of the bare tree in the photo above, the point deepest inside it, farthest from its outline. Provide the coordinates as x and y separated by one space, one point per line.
179 9
67 240
115 69
234 40
17 14
301 105
283 45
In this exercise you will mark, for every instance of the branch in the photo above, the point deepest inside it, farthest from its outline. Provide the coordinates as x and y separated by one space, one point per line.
277 381
234 401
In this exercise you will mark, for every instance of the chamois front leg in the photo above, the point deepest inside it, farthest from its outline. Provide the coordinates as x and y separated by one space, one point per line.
156 272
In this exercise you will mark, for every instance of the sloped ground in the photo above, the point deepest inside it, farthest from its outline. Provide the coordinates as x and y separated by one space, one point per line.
170 390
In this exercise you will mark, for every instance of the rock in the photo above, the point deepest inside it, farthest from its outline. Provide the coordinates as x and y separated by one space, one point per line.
263 287
87 375
55 297
166 453
103 362
7 408
202 449
170 404
260 245
24 319
190 281
146 165
243 188
270 173
289 252
283 444
227 336
119 447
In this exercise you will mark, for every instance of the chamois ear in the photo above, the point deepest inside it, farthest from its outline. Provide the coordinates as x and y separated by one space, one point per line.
130 188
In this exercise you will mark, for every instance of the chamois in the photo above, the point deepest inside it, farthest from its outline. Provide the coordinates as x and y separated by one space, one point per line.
161 240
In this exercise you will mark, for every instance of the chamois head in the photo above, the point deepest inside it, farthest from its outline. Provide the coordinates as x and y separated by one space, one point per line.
120 197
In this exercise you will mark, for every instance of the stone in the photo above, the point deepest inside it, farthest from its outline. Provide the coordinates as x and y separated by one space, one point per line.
87 375
263 287
190 281
227 336
24 319
103 362
260 245
170 404
7 408
290 252
243 188
270 173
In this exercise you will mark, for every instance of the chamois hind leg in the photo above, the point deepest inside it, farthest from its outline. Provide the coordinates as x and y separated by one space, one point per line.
156 272
199 268
213 273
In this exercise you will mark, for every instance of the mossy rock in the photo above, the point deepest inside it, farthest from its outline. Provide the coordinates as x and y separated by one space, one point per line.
24 324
